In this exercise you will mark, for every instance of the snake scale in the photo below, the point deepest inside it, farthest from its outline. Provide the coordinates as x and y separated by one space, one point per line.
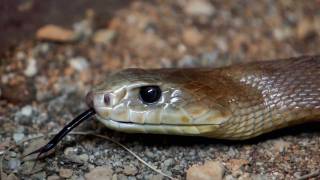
236 102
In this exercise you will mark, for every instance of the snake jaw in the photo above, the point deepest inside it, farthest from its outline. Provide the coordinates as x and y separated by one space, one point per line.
172 129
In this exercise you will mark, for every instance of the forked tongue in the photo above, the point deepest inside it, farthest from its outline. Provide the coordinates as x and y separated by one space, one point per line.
62 133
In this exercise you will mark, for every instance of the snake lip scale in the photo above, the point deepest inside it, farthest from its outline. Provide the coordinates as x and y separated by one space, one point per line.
236 102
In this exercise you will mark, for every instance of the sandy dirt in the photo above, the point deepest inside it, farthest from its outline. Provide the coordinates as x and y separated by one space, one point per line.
46 75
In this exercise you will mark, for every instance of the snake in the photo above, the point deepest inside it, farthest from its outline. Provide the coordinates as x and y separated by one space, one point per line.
236 102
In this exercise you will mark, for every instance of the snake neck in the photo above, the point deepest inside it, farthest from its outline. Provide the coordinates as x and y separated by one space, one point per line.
273 96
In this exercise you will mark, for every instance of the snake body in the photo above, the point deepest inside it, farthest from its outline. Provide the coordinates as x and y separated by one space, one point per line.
235 102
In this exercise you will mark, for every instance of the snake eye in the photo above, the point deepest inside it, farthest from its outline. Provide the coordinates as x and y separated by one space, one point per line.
150 94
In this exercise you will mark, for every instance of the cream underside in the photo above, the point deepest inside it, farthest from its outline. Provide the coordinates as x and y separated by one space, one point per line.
192 130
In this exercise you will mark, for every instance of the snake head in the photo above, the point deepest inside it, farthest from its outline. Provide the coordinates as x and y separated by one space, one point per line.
165 101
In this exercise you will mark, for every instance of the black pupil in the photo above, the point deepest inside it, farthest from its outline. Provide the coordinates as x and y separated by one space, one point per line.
150 94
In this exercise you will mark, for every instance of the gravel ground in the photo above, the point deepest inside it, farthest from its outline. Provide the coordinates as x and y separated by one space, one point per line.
44 80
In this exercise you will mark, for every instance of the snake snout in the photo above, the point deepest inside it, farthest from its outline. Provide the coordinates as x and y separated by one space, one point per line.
94 99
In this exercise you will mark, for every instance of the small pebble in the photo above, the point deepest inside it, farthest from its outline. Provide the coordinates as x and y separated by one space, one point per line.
199 7
236 164
69 151
84 157
280 146
130 170
156 177
149 154
168 163
13 164
12 177
31 69
206 172
211 59
65 173
55 33
79 63
18 137
192 36
229 177
99 173
20 55
13 154
26 110
246 176
259 177
104 36
122 177
188 62
83 29
39 175
53 177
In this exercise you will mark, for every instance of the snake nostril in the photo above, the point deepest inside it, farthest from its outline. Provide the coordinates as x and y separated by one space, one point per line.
106 99
89 99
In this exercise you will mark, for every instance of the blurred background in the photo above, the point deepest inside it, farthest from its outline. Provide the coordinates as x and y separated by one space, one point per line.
53 52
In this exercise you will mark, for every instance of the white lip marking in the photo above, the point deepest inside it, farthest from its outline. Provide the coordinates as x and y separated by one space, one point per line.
157 129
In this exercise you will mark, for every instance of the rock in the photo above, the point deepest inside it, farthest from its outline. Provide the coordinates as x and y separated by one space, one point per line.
130 170
69 151
14 164
121 177
209 171
53 177
246 176
18 137
259 177
84 157
83 29
55 33
39 175
229 177
79 63
99 173
237 173
65 173
282 33
31 69
156 177
280 146
236 164
26 111
168 163
222 44
41 49
199 7
104 36
25 116
13 154
211 59
188 62
12 177
192 36
149 153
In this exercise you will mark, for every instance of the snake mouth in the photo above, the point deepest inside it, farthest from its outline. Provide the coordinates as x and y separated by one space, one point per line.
175 129
162 124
